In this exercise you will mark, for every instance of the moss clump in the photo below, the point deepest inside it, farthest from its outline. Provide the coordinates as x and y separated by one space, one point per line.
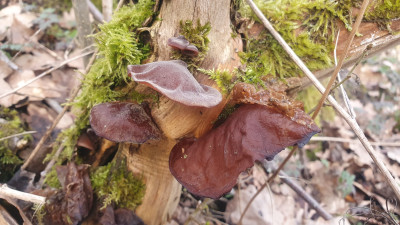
311 40
383 12
118 47
10 124
197 36
223 78
116 185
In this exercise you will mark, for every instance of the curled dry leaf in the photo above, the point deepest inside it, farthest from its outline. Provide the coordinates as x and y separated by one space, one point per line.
173 79
119 217
77 196
180 43
210 165
123 122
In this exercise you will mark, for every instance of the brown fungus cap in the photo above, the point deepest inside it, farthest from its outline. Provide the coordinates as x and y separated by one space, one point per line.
173 79
180 43
209 166
123 122
267 123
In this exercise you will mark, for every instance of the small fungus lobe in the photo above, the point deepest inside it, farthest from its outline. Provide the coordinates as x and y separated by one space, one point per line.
180 43
123 122
257 130
173 79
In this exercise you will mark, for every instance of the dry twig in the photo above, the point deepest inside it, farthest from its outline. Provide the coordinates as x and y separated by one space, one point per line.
9 192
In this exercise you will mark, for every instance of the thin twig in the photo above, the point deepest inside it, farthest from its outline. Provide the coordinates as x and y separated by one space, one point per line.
26 44
359 59
95 12
303 194
199 208
270 179
343 56
346 140
58 118
344 94
44 74
352 123
17 135
9 192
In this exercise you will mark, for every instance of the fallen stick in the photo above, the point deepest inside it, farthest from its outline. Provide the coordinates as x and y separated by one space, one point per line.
11 193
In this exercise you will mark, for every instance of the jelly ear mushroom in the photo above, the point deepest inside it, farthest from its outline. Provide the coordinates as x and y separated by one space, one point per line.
180 43
123 122
209 166
173 79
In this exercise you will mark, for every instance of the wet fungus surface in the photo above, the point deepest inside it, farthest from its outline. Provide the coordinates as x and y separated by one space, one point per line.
210 165
123 122
173 79
180 43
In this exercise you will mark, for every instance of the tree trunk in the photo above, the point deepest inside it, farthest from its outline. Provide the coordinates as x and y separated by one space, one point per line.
174 119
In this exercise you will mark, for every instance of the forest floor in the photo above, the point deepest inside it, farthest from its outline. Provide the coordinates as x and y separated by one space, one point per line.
333 168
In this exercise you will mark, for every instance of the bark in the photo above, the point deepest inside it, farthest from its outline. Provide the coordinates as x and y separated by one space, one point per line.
175 119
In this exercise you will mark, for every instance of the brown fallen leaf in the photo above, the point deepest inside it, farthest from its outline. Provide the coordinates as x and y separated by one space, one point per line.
20 34
76 198
119 217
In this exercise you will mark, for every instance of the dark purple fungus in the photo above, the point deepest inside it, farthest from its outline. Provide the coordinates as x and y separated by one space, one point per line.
259 129
123 122
173 79
180 43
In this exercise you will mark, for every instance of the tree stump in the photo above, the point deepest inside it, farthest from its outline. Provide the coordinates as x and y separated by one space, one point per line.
150 160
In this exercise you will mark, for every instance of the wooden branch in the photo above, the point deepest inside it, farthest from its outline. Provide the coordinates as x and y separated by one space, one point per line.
95 12
352 123
107 9
303 194
345 140
9 192
83 24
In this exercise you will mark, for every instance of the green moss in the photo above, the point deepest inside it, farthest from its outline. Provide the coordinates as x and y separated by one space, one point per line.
223 78
118 47
116 185
383 12
39 213
10 124
311 40
197 35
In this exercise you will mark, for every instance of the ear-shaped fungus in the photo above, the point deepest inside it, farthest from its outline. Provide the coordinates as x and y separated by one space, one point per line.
180 43
122 122
173 79
210 165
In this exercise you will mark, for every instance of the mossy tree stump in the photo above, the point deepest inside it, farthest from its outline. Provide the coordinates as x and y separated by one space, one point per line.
174 119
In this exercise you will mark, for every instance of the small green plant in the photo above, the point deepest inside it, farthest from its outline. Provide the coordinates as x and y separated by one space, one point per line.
10 124
223 78
39 213
197 35
346 183
114 184
46 18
